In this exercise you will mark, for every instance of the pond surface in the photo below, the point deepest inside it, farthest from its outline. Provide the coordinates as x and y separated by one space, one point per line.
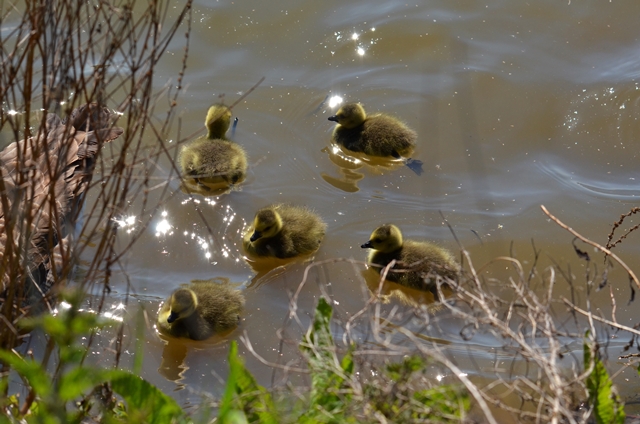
516 105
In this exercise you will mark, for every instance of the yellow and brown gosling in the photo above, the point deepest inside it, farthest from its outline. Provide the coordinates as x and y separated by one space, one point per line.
374 135
284 231
200 309
420 261
214 160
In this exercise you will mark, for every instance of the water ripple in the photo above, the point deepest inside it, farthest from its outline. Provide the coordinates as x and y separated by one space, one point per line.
620 187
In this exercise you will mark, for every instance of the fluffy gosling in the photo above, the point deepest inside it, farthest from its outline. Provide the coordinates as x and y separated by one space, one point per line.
212 159
421 260
283 231
375 135
200 309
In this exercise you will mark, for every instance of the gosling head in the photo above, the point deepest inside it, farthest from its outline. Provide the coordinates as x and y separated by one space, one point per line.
218 121
386 238
350 115
183 303
267 223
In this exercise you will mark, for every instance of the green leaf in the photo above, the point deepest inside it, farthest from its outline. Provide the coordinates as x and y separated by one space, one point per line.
243 393
319 335
607 405
446 400
86 322
30 370
71 354
396 394
66 326
145 400
76 381
330 396
347 363
227 402
234 417
400 371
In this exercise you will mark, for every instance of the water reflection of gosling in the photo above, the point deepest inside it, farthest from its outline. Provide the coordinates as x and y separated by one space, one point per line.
375 135
213 159
422 260
284 231
200 309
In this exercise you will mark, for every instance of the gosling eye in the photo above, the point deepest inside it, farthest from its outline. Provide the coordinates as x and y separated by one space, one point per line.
267 228
376 240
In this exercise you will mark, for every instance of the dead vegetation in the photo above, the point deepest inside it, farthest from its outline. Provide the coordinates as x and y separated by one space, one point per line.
532 368
57 56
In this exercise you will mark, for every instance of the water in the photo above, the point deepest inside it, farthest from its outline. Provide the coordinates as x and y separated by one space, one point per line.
516 105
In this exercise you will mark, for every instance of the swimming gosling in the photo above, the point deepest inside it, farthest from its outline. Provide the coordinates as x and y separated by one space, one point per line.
284 231
213 159
422 260
200 309
375 135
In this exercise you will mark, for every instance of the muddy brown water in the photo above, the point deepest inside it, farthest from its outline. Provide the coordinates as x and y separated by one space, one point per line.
516 105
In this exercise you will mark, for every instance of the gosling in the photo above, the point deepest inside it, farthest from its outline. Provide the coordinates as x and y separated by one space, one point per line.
422 261
284 231
200 309
213 159
375 135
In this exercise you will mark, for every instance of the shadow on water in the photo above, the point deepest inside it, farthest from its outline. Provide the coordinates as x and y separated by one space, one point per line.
268 269
202 187
348 162
409 296
176 350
